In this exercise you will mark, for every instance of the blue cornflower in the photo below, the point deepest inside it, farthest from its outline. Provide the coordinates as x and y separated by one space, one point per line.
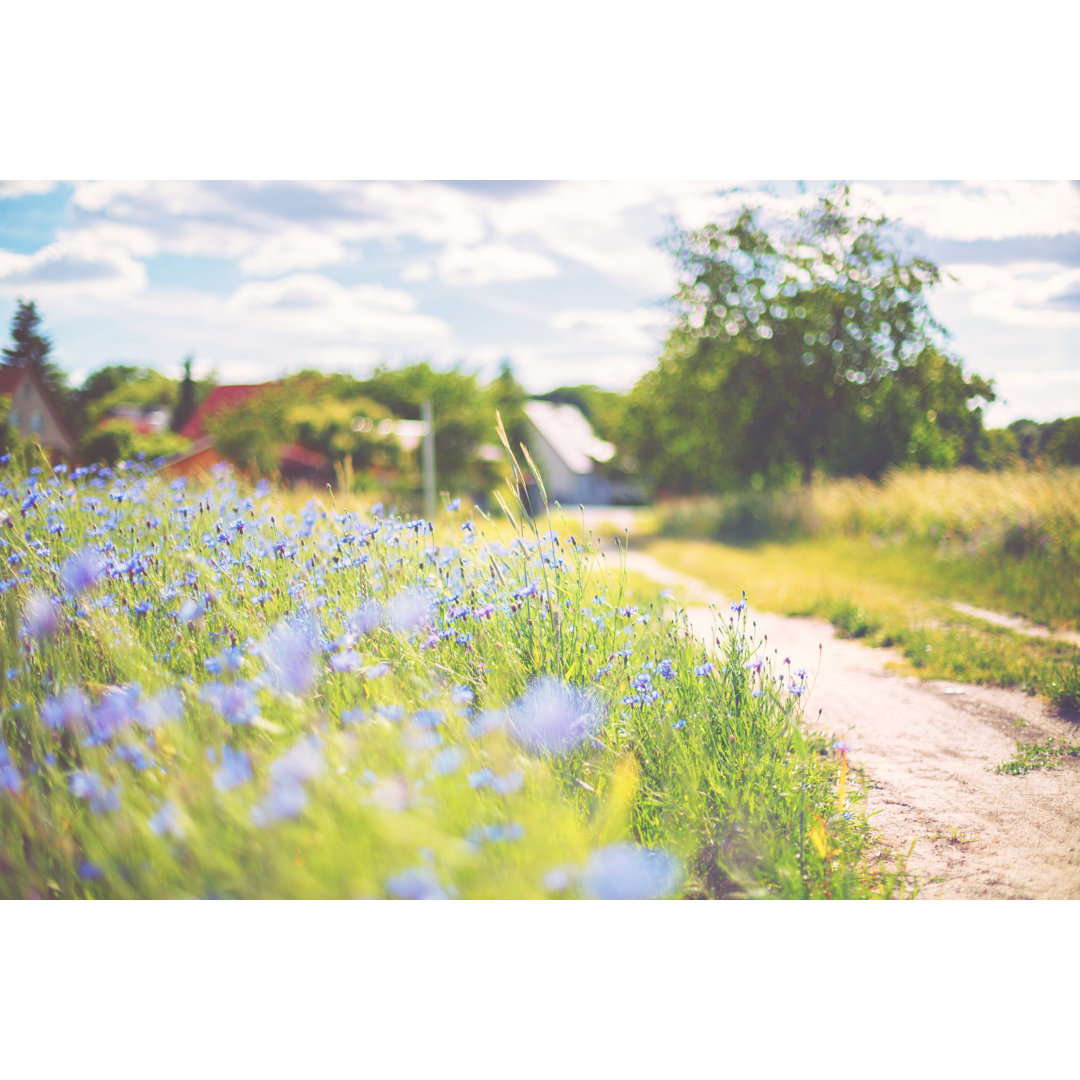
558 879
302 762
411 609
428 718
349 660
703 669
165 707
485 721
419 883
366 617
289 655
82 571
190 611
452 505
285 801
628 872
168 820
448 761
40 615
118 708
527 590
134 756
9 775
481 778
508 784
72 711
89 786
494 834
554 716
89 872
235 702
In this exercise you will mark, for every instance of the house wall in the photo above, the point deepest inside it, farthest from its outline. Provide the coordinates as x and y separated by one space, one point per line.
33 418
562 484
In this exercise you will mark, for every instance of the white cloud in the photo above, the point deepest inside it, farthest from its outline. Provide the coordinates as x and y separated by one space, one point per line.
482 265
292 249
987 210
278 227
1036 395
1019 293
311 304
16 189
640 330
73 265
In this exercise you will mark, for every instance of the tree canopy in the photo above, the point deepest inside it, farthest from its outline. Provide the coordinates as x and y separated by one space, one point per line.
799 347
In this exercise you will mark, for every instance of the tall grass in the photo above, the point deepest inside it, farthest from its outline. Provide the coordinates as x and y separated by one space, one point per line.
1010 538
215 692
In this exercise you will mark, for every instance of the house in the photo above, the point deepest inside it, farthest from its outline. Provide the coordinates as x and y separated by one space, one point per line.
33 413
295 462
146 421
218 400
568 453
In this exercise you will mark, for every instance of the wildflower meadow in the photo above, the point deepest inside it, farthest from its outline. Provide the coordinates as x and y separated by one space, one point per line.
225 691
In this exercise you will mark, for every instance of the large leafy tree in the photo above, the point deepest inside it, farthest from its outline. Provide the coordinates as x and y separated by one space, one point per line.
800 347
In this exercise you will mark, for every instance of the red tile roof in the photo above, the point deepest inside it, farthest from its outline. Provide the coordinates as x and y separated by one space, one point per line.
221 397
10 378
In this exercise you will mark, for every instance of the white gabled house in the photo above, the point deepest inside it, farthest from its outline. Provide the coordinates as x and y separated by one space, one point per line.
567 452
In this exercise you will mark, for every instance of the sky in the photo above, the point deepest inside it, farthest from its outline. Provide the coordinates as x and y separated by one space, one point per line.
569 280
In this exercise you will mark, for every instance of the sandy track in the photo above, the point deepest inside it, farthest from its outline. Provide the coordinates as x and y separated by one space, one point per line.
928 750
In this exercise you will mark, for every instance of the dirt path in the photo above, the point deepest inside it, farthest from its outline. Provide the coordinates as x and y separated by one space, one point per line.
928 750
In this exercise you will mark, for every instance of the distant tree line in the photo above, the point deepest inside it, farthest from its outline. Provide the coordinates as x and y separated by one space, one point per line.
797 350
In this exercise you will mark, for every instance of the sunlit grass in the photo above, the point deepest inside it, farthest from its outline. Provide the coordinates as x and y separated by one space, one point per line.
886 598
221 692
1008 541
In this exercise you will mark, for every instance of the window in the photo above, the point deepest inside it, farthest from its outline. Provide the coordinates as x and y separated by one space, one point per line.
35 421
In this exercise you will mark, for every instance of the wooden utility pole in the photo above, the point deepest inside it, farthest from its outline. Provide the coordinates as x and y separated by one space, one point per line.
429 459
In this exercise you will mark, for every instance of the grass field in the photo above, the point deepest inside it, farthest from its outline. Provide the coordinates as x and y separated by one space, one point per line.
221 692
886 562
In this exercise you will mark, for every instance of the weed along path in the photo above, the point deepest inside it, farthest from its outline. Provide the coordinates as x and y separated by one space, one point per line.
928 751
